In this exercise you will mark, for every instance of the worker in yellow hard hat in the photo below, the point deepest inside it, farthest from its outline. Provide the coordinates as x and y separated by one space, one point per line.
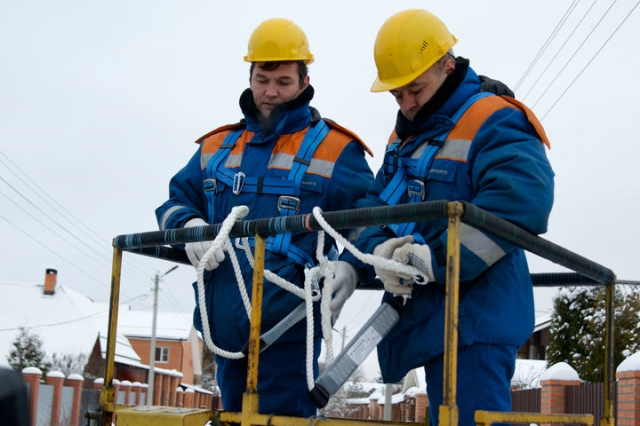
453 140
280 160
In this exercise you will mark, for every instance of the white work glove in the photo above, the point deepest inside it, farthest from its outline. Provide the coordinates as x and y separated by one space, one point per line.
418 255
402 250
341 283
394 282
196 250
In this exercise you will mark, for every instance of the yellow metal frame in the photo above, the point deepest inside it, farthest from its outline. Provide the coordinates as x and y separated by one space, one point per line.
447 412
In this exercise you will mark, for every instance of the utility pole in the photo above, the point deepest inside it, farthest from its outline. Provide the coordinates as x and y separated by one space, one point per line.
152 354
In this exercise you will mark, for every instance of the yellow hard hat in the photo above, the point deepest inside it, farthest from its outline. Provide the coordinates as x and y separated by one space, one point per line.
278 39
407 44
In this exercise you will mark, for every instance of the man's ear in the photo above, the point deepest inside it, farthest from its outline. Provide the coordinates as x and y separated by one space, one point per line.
305 82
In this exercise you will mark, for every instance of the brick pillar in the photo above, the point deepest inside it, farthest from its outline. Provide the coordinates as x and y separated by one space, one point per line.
628 375
125 386
553 382
179 397
97 383
188 398
136 388
174 384
373 408
56 379
116 391
166 390
157 389
31 376
75 381
422 404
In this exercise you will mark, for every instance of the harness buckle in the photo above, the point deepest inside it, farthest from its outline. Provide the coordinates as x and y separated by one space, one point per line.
238 182
210 185
288 202
415 187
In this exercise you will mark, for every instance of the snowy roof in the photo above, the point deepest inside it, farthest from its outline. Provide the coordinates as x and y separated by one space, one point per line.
69 323
169 325
124 352
66 321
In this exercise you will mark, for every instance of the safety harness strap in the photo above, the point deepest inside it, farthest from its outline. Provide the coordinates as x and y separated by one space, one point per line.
288 190
210 185
290 206
410 175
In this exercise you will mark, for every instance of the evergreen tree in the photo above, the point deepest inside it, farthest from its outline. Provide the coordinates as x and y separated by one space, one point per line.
577 333
27 352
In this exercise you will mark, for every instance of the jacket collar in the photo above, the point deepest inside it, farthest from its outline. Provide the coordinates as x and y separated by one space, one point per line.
285 118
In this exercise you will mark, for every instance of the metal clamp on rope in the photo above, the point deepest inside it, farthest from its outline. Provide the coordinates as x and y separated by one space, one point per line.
238 182
289 203
415 187
210 185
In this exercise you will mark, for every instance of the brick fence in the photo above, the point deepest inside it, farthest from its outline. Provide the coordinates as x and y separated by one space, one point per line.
57 400
554 384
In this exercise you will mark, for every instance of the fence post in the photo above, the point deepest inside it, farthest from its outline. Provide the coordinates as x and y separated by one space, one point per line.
75 381
125 386
422 403
628 375
116 391
188 398
179 397
56 379
97 383
554 381
31 376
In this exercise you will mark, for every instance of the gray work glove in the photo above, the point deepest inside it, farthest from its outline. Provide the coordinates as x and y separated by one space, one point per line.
196 250
341 283
394 282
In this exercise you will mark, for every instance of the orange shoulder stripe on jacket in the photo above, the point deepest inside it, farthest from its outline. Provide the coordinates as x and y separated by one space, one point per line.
477 114
353 136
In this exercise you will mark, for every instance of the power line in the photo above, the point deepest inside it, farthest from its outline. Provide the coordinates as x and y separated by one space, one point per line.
546 43
535 83
590 61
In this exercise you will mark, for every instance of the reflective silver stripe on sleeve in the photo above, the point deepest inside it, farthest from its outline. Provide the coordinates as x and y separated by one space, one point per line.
167 214
480 244
455 148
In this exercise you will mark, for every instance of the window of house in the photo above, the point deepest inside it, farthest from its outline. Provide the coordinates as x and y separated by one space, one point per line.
162 354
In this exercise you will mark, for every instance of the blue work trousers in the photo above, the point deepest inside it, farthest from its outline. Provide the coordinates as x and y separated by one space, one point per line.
282 380
483 382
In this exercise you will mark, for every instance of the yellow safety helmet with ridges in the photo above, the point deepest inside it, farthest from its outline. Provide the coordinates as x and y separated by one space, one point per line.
408 43
278 39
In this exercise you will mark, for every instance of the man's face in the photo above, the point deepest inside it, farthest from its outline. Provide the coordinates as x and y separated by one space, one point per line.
414 95
271 88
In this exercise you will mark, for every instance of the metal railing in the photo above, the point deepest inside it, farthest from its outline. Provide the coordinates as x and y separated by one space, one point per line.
586 272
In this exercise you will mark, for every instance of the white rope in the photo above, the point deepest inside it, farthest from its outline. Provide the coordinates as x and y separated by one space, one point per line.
369 259
239 279
218 243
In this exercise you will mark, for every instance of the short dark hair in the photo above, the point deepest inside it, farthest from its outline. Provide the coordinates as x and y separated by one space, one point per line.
303 71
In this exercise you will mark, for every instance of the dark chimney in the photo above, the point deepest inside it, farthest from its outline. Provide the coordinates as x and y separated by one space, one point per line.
50 279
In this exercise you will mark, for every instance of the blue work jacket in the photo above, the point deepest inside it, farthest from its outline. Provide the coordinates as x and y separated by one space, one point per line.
498 164
336 178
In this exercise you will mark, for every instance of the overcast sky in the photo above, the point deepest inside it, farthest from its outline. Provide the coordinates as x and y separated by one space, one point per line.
101 102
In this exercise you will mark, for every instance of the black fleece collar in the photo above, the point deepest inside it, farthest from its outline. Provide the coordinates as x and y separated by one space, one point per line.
249 108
